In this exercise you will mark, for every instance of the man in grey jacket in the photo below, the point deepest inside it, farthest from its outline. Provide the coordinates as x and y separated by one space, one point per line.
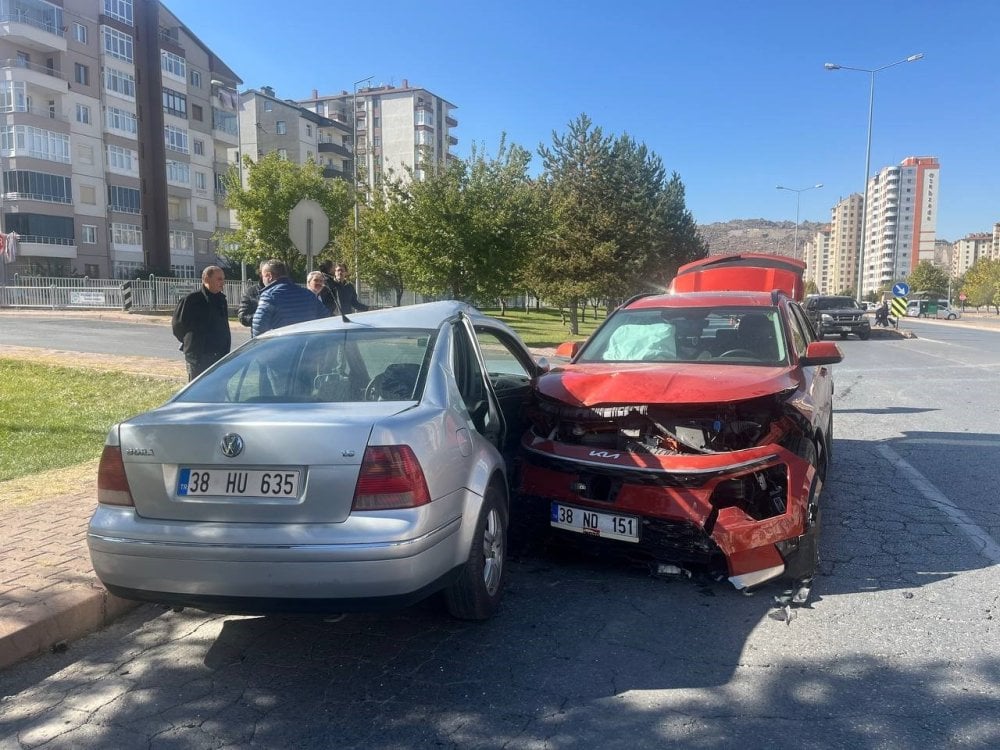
282 301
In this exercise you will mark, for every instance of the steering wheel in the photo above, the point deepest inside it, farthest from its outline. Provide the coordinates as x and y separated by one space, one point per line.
374 388
738 353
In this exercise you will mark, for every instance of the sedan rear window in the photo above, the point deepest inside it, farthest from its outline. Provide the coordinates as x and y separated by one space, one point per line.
320 367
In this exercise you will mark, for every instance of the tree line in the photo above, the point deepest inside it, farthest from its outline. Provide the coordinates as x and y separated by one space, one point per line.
602 220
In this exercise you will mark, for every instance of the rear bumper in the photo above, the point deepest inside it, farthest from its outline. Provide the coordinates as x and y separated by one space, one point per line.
676 502
189 565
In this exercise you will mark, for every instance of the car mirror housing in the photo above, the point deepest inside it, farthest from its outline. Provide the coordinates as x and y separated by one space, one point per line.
822 353
568 349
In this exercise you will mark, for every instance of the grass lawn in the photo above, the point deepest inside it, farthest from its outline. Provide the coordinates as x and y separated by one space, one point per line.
545 327
54 417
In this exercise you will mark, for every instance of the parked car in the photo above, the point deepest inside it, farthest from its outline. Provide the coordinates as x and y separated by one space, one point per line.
924 308
326 466
841 315
694 427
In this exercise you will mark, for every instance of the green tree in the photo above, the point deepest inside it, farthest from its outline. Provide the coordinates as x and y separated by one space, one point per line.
928 278
982 284
811 288
274 186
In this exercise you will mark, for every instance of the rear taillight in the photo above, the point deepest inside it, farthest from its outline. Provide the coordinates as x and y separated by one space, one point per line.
112 484
390 478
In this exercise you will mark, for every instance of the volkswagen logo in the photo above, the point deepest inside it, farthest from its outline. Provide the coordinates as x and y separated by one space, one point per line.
232 444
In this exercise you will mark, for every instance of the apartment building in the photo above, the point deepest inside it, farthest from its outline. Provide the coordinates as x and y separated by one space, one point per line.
968 250
817 256
103 176
900 220
845 239
269 124
397 127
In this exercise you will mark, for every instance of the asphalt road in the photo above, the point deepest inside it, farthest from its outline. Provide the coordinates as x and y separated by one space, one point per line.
898 647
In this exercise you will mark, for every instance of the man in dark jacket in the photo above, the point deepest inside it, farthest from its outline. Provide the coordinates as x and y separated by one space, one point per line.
248 304
282 301
343 290
201 323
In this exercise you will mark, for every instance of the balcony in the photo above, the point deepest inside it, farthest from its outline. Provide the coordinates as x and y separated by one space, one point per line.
333 172
450 121
23 29
426 106
34 75
452 140
334 148
46 247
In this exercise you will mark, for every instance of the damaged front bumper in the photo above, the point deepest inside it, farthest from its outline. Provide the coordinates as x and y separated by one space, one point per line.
737 510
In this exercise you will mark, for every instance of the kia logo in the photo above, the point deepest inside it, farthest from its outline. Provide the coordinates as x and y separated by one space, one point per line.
232 445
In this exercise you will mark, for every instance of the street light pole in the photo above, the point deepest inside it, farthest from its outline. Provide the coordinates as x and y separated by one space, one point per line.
357 208
868 154
798 195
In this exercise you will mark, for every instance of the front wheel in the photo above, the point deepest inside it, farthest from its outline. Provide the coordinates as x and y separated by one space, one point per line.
864 335
804 561
476 593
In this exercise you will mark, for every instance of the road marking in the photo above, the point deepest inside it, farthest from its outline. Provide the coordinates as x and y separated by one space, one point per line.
989 548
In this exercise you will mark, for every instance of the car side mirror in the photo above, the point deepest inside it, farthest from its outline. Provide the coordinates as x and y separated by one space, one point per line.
821 353
543 364
568 349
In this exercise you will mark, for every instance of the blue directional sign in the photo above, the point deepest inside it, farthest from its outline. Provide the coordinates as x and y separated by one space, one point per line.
900 289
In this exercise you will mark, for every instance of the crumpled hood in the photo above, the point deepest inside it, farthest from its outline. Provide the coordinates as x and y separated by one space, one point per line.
596 384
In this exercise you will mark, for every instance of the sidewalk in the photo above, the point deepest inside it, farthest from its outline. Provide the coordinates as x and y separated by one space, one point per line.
49 594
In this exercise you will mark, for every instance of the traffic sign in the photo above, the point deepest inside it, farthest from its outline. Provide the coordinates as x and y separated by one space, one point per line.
898 307
309 228
900 289
962 297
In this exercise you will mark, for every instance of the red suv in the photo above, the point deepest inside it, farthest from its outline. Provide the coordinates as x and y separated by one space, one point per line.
694 426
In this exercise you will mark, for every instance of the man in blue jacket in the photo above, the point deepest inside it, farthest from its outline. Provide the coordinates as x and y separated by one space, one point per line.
282 301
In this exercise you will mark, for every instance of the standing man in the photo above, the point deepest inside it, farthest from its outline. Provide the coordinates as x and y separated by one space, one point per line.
343 290
201 323
282 301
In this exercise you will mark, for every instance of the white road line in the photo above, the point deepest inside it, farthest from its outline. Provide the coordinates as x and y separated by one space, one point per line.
989 548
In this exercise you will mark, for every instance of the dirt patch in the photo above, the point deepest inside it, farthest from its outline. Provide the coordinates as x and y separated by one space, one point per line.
69 480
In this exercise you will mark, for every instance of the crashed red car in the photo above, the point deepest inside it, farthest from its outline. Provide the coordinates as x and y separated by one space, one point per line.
694 426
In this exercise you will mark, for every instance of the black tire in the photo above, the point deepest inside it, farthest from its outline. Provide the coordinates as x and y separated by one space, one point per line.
476 593
803 563
865 335
844 336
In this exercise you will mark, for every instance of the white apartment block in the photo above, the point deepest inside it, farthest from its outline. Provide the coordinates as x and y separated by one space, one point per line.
900 220
817 256
117 122
397 128
968 250
995 246
269 124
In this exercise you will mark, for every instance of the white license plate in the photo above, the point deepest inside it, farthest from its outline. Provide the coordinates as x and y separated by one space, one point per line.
237 482
595 523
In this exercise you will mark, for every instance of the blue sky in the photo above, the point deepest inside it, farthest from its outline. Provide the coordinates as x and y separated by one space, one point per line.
731 95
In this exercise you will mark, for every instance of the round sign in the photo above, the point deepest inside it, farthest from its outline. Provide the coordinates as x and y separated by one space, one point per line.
962 297
900 289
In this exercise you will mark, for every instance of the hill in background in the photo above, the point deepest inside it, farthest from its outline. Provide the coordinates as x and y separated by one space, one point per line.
756 236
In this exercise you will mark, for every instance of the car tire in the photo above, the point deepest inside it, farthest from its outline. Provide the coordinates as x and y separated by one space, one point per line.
844 336
865 335
476 593
803 563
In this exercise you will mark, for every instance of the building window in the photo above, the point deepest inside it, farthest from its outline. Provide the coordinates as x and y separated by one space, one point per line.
92 270
178 172
81 74
281 127
117 82
174 103
182 271
88 234
176 138
118 44
224 121
121 120
199 147
174 65
268 105
80 33
25 140
88 195
181 241
197 113
123 160
196 78
123 199
283 154
309 129
177 208
126 234
120 10
39 186
83 113
201 212
201 182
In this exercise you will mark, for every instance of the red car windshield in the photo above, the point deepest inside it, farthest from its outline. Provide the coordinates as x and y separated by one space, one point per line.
723 335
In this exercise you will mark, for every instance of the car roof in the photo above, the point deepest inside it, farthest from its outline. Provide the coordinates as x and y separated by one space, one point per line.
428 315
704 299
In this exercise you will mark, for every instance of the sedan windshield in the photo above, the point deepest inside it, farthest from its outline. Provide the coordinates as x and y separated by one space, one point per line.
737 335
320 367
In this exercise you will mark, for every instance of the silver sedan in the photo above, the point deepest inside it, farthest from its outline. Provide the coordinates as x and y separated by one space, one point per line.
328 466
